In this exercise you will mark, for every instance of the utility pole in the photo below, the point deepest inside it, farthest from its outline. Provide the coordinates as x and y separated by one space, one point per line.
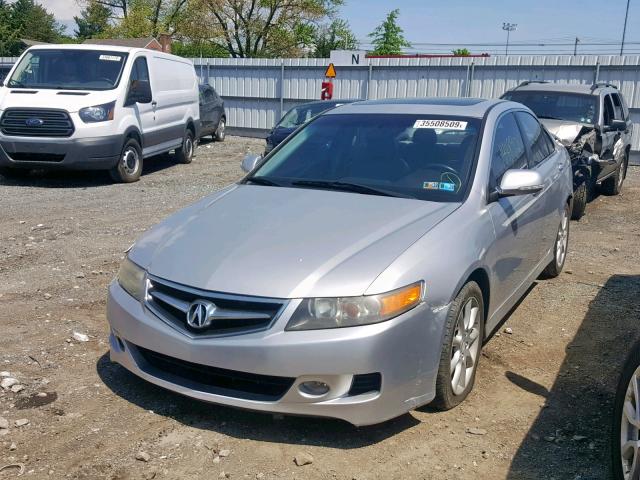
508 27
575 47
624 29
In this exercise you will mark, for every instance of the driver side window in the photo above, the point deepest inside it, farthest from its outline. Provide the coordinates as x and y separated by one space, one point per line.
139 71
508 149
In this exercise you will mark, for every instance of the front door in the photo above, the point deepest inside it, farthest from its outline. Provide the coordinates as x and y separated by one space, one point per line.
144 112
518 220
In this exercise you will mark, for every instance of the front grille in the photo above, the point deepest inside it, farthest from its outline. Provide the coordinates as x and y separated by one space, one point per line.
237 314
55 123
219 381
36 157
369 382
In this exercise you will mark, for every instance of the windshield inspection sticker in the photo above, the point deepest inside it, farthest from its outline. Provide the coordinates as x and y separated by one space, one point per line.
447 187
110 58
431 185
441 124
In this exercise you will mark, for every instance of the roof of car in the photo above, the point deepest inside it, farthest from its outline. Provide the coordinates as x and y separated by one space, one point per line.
464 107
561 87
330 103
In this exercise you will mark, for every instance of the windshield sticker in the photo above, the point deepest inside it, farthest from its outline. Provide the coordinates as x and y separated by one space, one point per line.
444 186
441 124
448 187
110 58
451 178
431 185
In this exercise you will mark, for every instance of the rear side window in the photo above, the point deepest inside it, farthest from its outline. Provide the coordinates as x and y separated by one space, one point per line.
534 138
508 148
617 107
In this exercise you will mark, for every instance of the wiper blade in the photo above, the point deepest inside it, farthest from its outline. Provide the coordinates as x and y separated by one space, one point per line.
549 117
348 187
263 181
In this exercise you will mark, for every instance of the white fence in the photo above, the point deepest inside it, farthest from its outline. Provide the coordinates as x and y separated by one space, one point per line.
258 91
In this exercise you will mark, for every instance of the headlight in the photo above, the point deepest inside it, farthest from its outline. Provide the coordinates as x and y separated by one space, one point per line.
320 313
98 113
132 279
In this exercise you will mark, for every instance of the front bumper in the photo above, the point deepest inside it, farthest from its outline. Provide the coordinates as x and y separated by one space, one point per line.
405 351
96 153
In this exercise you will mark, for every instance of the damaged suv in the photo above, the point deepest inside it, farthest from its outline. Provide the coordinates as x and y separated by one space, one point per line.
592 122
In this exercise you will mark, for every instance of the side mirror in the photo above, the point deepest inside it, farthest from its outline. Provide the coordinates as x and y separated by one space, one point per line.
616 126
139 92
250 161
520 182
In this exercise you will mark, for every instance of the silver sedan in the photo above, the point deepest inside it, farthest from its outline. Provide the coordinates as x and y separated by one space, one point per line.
357 269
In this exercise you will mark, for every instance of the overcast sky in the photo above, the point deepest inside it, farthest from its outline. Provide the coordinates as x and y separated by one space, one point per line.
469 22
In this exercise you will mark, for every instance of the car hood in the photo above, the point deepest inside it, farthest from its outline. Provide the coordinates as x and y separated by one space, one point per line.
565 130
278 134
285 242
69 100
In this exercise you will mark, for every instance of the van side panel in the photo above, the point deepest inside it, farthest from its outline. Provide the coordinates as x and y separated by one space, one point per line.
175 90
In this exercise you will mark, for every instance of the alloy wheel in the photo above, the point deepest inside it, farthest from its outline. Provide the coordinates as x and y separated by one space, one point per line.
630 428
465 346
563 239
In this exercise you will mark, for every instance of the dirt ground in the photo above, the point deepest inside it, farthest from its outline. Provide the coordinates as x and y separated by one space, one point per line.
540 409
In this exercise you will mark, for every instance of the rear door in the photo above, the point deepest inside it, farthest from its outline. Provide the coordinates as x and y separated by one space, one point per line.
218 107
206 110
549 162
608 163
518 220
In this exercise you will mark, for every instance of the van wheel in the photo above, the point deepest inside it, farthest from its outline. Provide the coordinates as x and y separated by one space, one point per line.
560 247
220 132
129 167
461 348
185 153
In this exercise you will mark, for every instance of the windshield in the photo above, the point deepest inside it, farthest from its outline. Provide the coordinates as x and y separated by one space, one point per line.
302 114
68 70
417 156
573 107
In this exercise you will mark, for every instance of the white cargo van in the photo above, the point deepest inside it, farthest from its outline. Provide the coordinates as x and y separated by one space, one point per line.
97 107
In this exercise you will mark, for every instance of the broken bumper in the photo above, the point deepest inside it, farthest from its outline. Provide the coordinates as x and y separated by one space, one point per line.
405 352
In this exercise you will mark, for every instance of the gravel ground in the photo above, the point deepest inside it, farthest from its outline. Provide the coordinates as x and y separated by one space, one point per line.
541 407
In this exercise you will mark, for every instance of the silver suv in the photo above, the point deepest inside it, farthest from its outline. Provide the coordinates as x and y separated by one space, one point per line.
592 121
357 269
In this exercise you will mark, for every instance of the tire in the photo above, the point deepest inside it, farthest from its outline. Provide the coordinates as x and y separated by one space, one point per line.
580 198
613 184
186 152
560 247
221 132
129 166
622 430
9 172
467 311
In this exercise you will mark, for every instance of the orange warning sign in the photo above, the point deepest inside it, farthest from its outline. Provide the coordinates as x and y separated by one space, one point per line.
330 72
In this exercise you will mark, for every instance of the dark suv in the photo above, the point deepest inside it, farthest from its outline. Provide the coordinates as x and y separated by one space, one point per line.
592 122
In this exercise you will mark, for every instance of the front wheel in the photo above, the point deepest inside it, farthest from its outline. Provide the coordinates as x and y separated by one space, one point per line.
460 348
560 247
129 166
185 153
580 198
625 435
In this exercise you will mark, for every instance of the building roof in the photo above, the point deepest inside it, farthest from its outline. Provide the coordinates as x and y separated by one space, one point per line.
122 42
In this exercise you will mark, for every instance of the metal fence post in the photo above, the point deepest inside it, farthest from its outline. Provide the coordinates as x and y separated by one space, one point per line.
369 75
471 72
597 73
281 89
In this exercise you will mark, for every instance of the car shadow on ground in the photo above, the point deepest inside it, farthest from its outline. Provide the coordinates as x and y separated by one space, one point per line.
244 424
570 437
82 178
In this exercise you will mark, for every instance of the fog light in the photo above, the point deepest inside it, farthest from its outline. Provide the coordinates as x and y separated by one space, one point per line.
314 388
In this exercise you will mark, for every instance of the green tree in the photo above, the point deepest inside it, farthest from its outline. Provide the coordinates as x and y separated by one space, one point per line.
263 28
29 20
145 18
461 52
93 21
388 38
335 36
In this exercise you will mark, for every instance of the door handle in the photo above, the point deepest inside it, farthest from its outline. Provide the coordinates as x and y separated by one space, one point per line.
154 104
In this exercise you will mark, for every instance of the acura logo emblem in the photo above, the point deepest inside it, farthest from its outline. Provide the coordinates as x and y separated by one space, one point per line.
34 122
200 314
